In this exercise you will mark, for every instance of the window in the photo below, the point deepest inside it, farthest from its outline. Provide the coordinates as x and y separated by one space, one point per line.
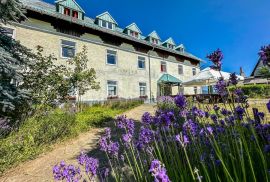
111 57
9 32
106 24
142 86
195 90
67 11
75 14
110 25
163 67
134 34
68 49
112 88
170 46
194 71
141 62
180 70
154 41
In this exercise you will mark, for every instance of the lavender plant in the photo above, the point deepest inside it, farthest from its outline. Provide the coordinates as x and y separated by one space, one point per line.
184 142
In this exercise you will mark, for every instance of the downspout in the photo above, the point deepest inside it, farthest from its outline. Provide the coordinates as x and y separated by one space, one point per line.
149 70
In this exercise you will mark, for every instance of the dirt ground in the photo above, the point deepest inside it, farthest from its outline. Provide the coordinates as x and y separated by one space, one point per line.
40 169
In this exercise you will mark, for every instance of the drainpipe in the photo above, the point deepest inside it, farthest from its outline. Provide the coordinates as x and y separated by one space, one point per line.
149 69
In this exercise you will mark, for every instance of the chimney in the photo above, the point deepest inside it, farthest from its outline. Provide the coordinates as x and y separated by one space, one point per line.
242 73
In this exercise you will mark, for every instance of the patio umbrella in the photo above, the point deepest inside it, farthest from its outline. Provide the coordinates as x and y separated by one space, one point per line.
208 77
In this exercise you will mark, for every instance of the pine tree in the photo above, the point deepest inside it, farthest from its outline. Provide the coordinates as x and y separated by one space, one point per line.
10 10
14 102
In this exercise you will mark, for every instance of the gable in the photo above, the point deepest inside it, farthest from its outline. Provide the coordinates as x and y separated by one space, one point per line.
106 17
70 4
134 28
169 41
154 35
256 70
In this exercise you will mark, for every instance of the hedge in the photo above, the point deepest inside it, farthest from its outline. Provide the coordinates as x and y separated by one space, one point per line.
255 91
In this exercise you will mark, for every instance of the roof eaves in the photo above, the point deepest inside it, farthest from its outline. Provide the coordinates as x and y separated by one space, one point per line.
107 13
115 33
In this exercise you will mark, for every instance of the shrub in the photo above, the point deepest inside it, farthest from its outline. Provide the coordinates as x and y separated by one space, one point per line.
255 91
40 131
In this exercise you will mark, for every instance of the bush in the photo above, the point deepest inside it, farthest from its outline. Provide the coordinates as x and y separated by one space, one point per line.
40 131
255 91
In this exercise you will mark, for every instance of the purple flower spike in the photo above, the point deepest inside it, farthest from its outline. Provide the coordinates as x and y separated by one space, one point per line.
158 171
265 54
216 58
268 106
180 101
233 79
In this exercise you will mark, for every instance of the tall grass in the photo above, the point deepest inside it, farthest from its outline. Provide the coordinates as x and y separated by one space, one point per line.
39 132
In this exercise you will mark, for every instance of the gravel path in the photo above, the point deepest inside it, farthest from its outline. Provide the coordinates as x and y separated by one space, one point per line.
40 169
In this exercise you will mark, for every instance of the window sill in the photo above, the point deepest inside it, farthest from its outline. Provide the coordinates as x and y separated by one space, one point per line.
112 97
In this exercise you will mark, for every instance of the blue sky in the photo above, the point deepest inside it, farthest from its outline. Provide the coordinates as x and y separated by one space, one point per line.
239 28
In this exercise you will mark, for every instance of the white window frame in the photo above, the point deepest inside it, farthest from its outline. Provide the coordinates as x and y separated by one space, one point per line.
14 31
140 59
145 87
107 24
182 69
112 85
116 57
194 69
61 50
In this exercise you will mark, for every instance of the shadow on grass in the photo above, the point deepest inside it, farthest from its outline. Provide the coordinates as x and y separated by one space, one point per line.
116 134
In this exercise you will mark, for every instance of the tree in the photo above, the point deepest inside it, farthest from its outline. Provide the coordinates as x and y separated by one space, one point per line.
264 72
82 79
10 10
14 58
46 81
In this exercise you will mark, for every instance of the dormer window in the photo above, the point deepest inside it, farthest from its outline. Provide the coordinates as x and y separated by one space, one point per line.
170 46
134 34
169 43
153 38
154 41
105 20
75 14
67 12
133 30
69 8
106 24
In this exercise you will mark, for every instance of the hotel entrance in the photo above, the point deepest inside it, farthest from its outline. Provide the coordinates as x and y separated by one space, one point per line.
166 84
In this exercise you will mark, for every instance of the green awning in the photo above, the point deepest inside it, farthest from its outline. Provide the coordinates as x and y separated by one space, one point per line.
169 79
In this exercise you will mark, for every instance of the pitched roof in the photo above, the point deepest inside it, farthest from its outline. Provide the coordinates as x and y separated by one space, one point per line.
107 17
169 41
154 35
71 4
167 78
49 9
134 27
180 46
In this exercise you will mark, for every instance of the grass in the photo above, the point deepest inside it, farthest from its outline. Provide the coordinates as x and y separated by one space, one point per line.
40 132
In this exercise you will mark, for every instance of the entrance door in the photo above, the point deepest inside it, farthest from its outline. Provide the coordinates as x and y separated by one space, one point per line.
165 89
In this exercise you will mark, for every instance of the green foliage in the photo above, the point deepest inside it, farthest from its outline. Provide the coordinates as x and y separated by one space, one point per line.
14 59
264 72
46 81
255 91
10 10
81 78
40 131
